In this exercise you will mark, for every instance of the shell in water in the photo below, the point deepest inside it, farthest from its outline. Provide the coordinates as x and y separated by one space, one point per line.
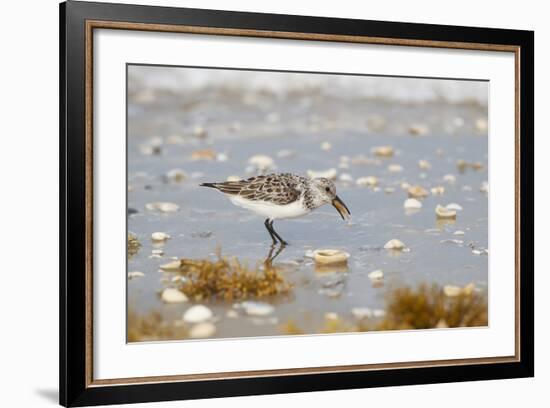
444 213
330 256
417 192
394 244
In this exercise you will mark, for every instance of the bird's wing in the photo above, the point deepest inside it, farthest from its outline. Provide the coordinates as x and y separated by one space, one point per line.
275 188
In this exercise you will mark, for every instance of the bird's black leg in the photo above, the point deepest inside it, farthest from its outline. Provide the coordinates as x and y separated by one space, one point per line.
282 241
268 227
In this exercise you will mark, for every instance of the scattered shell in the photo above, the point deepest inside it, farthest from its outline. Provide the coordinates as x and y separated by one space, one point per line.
162 207
394 244
233 178
444 213
345 178
452 241
203 154
389 190
158 252
376 275
197 314
418 129
171 266
463 165
369 181
202 330
449 178
481 124
176 175
405 185
159 236
329 174
261 162
412 204
326 146
257 308
477 252
330 256
454 206
484 188
452 290
424 164
417 192
135 274
382 151
173 295
361 312
438 190
458 233
395 168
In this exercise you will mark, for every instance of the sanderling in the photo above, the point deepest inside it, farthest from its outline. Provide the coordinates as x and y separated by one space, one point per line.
278 196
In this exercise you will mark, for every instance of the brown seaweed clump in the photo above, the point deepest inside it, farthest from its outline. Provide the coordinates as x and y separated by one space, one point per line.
229 280
133 245
152 327
428 307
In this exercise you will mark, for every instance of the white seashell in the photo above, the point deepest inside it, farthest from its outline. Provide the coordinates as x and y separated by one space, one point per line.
424 164
444 213
261 162
395 168
439 190
394 244
476 252
458 233
369 181
202 330
159 236
376 275
257 308
197 314
162 206
326 146
382 151
452 290
173 295
171 266
309 253
417 192
330 256
405 186
158 252
176 175
135 274
233 178
449 178
454 206
412 204
361 312
329 174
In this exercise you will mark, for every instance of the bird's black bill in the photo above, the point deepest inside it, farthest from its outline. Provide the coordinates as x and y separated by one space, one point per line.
341 207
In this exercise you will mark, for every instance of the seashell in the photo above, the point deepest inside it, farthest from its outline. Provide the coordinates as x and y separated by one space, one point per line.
233 178
439 190
394 244
345 178
452 290
424 164
361 312
135 274
159 236
376 275
261 162
369 181
418 129
173 295
331 316
412 204
329 174
405 186
171 266
395 168
176 175
330 256
257 308
481 124
378 313
162 207
454 207
449 178
463 165
326 146
203 154
476 252
158 252
202 330
458 233
197 314
417 192
382 151
444 213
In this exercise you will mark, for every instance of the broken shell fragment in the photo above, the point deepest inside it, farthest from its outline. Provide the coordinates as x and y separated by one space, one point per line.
197 314
203 154
202 330
369 181
417 192
439 190
424 164
162 207
376 275
171 266
382 151
394 244
418 129
449 178
444 213
452 290
326 146
257 308
159 236
330 256
173 295
395 168
412 204
135 274
176 175
329 174
361 312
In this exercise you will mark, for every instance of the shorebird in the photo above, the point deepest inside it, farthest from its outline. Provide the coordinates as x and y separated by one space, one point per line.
279 196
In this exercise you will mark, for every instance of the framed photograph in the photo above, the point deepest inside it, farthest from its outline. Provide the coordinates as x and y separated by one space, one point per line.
256 203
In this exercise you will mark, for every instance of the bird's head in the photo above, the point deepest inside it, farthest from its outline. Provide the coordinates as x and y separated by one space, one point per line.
324 192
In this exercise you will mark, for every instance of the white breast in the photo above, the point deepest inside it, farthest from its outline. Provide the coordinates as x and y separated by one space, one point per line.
271 210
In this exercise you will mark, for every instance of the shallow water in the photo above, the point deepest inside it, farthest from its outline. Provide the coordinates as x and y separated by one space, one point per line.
242 126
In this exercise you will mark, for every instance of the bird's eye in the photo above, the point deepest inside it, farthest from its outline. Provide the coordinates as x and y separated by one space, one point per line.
327 189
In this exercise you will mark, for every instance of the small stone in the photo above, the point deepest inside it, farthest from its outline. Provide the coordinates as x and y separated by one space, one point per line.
418 129
202 330
158 252
439 190
458 233
200 132
361 312
330 256
394 244
389 190
412 204
395 168
197 314
452 290
326 146
135 274
329 174
417 192
369 181
345 178
222 157
383 151
173 295
444 213
376 275
171 266
257 308
449 178
159 236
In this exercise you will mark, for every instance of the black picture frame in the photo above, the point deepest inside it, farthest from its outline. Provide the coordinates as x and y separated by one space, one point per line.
75 389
